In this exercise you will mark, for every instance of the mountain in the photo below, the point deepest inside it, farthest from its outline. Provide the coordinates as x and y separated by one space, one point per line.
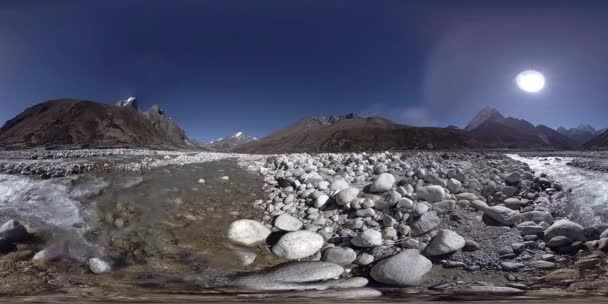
581 134
345 133
129 102
73 123
492 130
230 143
168 127
599 142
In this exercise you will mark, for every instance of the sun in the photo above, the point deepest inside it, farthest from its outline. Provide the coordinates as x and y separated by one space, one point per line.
530 81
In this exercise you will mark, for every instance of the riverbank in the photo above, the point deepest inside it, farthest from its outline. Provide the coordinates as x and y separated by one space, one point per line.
479 223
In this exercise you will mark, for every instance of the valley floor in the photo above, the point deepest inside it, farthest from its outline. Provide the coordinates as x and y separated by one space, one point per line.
141 223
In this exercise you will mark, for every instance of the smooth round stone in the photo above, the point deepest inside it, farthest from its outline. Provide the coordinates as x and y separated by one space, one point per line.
346 196
247 232
404 269
98 265
431 194
383 183
367 238
298 245
287 222
339 255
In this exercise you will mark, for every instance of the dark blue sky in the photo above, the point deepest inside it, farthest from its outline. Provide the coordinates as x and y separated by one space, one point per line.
223 66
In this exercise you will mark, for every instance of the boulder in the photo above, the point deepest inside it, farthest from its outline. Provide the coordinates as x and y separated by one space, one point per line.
247 232
287 222
566 228
298 245
383 183
425 223
346 196
502 215
446 241
404 269
431 194
339 255
367 238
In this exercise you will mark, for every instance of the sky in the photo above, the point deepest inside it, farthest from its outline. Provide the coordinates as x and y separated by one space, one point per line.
222 66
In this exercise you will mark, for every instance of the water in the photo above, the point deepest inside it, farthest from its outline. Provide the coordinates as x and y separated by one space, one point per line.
587 191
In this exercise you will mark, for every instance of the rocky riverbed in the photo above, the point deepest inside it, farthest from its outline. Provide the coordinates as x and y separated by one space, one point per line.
326 225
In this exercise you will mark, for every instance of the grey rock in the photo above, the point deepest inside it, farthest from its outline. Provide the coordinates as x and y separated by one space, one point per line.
404 269
346 196
446 241
298 245
433 193
247 232
287 222
425 223
502 215
383 183
566 228
339 255
368 238
13 231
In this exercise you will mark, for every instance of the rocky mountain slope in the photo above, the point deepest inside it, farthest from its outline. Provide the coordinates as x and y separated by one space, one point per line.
230 143
347 133
581 134
600 142
168 127
77 123
491 129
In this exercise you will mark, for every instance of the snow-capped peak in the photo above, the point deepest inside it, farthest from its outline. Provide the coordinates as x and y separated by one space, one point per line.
237 134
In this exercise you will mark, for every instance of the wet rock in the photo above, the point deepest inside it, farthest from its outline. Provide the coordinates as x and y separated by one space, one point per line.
291 276
566 228
244 256
404 269
540 264
13 231
559 241
287 222
247 232
98 265
298 245
511 266
587 263
561 275
446 241
49 254
487 290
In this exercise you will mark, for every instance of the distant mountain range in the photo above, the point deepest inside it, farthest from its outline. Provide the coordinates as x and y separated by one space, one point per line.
74 123
581 134
492 130
343 133
230 143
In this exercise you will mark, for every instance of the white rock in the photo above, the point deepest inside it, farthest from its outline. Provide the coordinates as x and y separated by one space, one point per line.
367 238
502 215
287 222
98 265
454 185
321 200
247 232
383 183
446 241
298 245
201 181
346 196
